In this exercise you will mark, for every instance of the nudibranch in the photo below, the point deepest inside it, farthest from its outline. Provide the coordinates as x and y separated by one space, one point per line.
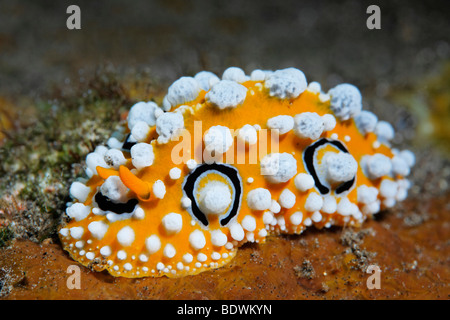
224 161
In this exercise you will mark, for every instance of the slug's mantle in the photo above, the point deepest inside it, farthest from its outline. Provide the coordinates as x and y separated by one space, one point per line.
226 161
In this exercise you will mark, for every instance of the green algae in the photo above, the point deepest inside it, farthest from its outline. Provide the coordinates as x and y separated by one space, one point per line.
6 234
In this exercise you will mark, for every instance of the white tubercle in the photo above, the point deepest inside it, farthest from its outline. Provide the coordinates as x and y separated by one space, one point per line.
114 189
282 123
142 155
257 75
139 213
214 198
329 122
384 131
218 139
142 111
388 188
400 166
169 251
172 223
114 143
186 202
101 150
278 167
275 207
346 208
181 91
259 199
329 204
76 232
226 94
366 121
191 164
408 156
168 126
287 199
303 182
314 202
376 166
366 194
308 125
286 83
340 167
140 131
296 218
175 173
197 240
315 87
78 211
218 238
268 217
152 244
206 79
234 74
126 236
346 101
159 189
98 229
115 158
236 231
248 134
105 251
94 160
249 223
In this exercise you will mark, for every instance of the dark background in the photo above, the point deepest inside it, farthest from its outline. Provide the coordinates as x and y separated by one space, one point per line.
328 40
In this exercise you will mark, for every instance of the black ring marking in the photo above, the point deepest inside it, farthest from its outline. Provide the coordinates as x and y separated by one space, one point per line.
106 204
128 144
231 173
308 157
345 186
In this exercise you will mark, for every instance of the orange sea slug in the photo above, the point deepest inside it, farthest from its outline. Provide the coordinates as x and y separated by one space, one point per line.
226 161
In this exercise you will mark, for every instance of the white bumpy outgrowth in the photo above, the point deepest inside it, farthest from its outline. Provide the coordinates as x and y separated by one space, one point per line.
142 111
114 189
286 83
214 198
206 79
181 91
142 155
340 167
169 126
346 101
218 139
234 74
226 94
259 199
366 121
282 123
278 167
308 125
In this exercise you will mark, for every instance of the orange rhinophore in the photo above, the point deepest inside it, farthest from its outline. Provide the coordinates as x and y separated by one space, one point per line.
227 161
140 187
